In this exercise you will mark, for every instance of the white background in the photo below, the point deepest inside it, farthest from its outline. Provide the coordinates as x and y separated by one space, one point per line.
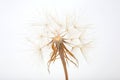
16 63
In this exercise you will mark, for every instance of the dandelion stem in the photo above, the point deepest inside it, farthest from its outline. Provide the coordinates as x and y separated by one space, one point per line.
61 52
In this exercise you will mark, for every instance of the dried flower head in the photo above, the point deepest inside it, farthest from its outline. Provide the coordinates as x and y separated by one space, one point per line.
62 38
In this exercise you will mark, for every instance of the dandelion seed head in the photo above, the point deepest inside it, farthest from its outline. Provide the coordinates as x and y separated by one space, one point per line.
59 38
65 29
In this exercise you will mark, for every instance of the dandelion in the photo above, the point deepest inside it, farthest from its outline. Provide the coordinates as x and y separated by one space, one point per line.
62 38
